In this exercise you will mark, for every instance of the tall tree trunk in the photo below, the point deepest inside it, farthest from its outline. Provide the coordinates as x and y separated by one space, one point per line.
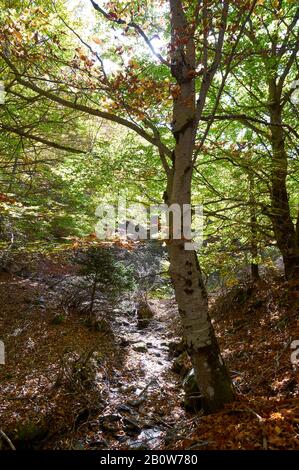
253 231
255 275
210 371
283 227
211 374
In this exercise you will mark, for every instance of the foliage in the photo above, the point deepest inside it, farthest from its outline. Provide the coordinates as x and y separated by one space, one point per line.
111 276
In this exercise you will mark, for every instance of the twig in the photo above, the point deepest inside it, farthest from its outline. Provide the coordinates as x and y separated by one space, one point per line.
199 444
261 422
2 433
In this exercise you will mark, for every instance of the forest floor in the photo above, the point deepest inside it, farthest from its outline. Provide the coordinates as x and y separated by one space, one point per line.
69 385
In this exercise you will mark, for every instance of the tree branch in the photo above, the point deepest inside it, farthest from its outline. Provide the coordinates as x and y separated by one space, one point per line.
87 109
247 119
133 25
42 140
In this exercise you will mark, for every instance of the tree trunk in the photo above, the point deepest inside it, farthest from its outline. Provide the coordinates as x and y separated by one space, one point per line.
211 374
283 227
210 371
255 275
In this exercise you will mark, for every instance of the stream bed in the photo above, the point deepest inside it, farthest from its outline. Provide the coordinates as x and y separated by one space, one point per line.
133 418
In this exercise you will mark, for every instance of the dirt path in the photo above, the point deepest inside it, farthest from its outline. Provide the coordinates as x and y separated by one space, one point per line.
139 398
145 400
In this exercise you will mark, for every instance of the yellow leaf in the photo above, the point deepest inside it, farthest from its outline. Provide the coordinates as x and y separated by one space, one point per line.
133 64
96 40
18 35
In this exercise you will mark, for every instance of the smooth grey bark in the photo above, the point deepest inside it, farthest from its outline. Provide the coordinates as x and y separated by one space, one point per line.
211 374
210 370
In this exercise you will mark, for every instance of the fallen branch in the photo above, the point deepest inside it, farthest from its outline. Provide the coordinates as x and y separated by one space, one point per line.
2 433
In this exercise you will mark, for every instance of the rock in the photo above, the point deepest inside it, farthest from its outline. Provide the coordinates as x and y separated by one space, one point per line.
192 400
138 401
181 365
157 353
125 408
131 426
137 445
150 438
111 417
128 388
117 310
140 347
144 313
124 342
121 438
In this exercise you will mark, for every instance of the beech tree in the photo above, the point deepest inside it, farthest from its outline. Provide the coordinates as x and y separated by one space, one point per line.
161 95
279 67
267 88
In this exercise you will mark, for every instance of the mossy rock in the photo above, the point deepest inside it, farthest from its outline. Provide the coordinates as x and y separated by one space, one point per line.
144 313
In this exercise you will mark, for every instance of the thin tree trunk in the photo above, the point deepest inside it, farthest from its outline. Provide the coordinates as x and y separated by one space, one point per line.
284 229
255 275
